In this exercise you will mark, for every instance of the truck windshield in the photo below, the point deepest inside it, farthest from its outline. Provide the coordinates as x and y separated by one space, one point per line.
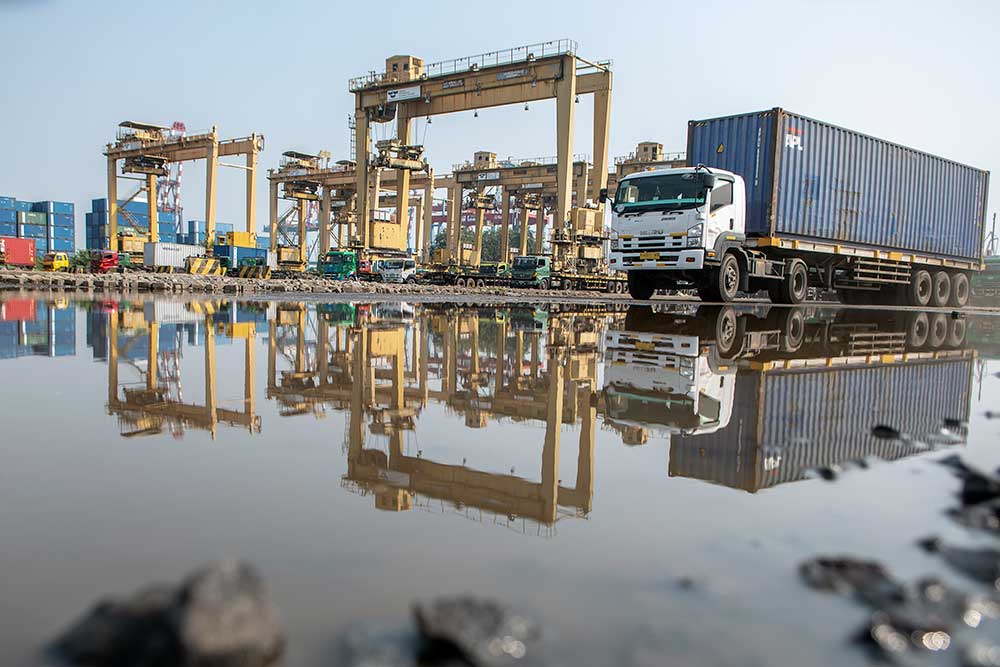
337 259
393 264
671 191
525 263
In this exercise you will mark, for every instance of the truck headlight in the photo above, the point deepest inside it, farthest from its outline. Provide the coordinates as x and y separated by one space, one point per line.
694 241
696 230
614 244
687 373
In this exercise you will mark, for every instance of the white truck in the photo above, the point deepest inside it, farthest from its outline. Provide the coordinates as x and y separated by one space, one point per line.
398 271
779 202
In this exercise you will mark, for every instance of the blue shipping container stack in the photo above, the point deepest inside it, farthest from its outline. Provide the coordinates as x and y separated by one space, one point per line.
52 224
8 217
132 216
51 334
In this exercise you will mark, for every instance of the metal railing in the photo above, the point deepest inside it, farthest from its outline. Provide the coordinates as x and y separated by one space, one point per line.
517 54
510 162
667 157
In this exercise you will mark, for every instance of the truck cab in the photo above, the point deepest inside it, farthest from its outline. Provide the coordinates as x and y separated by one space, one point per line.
672 228
338 264
55 261
532 271
104 261
399 271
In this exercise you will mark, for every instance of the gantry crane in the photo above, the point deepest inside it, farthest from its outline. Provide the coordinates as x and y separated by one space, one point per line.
648 155
146 409
409 89
147 150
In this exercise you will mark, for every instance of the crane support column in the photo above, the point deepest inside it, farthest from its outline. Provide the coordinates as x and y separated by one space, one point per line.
252 188
550 451
273 213
303 214
210 394
524 230
504 226
425 244
477 252
249 377
211 169
455 223
324 222
403 127
539 227
565 105
418 224
602 124
154 218
362 133
113 203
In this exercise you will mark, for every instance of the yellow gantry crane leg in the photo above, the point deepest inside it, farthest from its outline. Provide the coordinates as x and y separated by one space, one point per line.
324 221
113 203
273 213
550 451
565 106
154 215
504 225
211 171
154 350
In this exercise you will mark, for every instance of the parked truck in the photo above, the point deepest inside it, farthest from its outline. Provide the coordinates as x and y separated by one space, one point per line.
338 264
754 396
779 202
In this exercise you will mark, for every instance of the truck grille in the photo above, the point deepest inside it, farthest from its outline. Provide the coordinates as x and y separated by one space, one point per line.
651 243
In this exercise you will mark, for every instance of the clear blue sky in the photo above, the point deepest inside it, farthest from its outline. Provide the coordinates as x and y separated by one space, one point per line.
919 73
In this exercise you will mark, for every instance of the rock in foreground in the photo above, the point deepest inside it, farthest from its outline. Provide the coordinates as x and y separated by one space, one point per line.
483 632
219 616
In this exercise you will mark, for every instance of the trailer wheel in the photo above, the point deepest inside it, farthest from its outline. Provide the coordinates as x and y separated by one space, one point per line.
941 294
917 328
610 287
938 332
956 332
793 329
621 287
918 293
480 282
794 287
460 282
959 290
640 287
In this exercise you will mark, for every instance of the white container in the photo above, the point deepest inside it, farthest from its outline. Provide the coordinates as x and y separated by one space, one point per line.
169 254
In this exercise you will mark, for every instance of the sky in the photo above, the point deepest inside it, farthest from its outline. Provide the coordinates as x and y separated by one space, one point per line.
918 73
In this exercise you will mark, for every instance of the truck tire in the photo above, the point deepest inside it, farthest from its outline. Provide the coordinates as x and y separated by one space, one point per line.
937 335
941 293
480 282
621 287
610 287
956 332
793 329
640 287
959 290
460 282
723 281
729 330
918 292
544 284
794 287
917 329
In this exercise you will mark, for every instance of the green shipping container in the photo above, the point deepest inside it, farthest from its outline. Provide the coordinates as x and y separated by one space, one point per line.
32 218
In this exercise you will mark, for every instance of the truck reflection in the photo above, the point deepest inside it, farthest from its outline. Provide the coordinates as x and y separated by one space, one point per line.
752 397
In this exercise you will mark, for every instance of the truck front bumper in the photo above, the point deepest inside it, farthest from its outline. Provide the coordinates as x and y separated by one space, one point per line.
683 260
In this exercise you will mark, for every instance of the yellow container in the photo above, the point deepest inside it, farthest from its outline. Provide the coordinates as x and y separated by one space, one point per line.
241 239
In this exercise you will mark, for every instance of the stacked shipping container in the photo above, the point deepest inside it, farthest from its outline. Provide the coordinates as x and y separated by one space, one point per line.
132 216
197 231
51 224
35 328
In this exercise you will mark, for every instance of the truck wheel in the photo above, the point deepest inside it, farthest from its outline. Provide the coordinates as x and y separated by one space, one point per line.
610 287
411 281
566 284
917 329
793 329
544 284
794 287
729 330
480 282
639 287
460 282
941 294
938 333
956 332
959 290
621 287
918 293
724 280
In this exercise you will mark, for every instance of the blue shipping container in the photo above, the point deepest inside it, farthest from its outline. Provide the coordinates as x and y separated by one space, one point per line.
63 245
63 232
8 229
32 232
8 215
22 206
60 207
806 178
6 203
62 220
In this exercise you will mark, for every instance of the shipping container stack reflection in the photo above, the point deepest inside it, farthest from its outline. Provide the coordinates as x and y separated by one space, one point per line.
144 342
384 363
37 328
756 396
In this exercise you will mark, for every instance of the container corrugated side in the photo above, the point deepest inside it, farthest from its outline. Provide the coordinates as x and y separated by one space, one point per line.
807 178
784 424
169 254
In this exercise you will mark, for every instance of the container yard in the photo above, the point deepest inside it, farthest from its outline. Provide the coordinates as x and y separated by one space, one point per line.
489 350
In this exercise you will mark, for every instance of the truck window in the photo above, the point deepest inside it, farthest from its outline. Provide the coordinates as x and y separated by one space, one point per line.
409 264
722 196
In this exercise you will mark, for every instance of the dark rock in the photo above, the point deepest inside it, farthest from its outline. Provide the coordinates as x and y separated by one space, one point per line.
884 432
220 616
977 486
483 632
869 580
979 563
984 516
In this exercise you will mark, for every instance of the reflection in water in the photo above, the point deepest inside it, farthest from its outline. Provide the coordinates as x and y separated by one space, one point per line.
754 397
747 397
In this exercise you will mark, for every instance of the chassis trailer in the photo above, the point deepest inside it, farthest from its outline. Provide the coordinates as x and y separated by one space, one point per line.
778 202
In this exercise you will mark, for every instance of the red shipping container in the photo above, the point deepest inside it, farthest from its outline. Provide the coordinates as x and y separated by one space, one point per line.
18 310
18 252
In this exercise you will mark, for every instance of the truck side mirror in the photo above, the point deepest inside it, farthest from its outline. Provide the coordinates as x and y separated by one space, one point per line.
603 195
